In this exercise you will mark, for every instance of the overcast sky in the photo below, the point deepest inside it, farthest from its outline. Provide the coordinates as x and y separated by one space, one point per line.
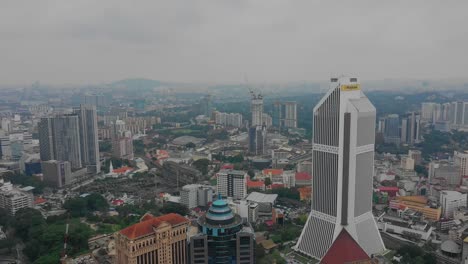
89 41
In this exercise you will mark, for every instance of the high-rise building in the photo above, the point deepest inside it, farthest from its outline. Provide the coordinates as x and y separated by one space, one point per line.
461 160
256 107
257 140
410 128
267 120
290 114
122 141
343 156
392 129
232 183
87 116
404 130
56 173
451 201
285 114
427 111
59 139
222 238
206 106
228 119
160 239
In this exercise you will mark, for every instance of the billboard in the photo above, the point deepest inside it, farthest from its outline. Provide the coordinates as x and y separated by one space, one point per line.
350 87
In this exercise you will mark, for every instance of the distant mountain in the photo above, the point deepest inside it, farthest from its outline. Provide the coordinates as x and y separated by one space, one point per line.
137 84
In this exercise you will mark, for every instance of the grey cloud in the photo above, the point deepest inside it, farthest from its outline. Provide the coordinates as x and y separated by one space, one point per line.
212 41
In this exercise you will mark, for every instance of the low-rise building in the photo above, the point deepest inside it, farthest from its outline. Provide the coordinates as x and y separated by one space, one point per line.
160 239
13 199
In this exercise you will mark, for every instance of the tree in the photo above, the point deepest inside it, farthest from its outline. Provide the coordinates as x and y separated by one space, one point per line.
202 165
26 219
267 181
95 202
251 174
105 146
170 207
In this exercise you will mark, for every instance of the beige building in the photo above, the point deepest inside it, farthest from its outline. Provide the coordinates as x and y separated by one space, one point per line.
154 240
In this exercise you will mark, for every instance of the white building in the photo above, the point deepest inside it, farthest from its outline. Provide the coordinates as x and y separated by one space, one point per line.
232 183
444 170
194 195
343 160
13 199
451 201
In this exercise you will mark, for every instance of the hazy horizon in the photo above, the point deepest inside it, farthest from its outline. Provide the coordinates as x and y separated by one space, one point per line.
88 42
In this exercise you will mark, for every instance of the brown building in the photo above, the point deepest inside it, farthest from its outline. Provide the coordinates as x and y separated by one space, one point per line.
155 240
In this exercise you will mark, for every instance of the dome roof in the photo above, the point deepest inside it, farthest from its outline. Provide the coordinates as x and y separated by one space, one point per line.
219 211
450 247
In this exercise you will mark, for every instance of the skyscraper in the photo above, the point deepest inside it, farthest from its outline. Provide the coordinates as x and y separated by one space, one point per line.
341 223
290 114
256 107
89 138
59 139
392 129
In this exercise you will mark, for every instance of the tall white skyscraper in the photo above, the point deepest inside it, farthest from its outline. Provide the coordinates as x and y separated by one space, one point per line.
343 157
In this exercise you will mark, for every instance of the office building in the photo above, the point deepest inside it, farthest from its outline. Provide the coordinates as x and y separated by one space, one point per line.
222 238
450 201
13 199
5 148
160 239
56 173
59 139
87 116
416 155
232 183
461 160
341 217
392 129
446 171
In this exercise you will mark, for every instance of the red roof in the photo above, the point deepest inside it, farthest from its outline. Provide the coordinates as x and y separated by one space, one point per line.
276 185
145 227
272 171
344 250
227 167
303 176
117 202
388 189
122 169
39 200
255 184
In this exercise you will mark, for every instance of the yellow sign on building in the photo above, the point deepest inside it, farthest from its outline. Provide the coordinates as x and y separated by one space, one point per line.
350 87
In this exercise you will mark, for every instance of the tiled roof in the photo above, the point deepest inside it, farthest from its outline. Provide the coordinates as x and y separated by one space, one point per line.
303 176
146 226
255 184
272 171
